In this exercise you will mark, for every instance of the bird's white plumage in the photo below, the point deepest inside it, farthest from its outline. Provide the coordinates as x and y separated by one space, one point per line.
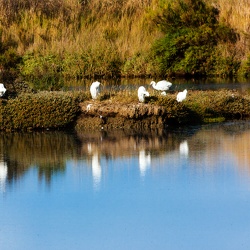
142 92
95 90
2 89
162 85
181 96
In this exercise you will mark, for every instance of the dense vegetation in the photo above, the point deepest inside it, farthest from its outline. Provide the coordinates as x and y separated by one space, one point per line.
60 110
41 110
193 33
46 41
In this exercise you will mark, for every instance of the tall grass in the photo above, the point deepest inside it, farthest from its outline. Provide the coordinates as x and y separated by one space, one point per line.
96 38
236 13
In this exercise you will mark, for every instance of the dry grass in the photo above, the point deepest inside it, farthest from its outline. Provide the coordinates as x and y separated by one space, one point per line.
236 13
76 27
110 29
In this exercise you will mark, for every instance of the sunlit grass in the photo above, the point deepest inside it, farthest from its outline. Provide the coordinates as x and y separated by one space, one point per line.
100 34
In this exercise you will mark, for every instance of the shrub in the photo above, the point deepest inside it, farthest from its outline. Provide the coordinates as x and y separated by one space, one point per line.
221 103
40 111
192 32
43 71
9 58
246 67
205 106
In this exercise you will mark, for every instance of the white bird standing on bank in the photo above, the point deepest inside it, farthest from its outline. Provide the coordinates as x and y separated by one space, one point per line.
181 96
142 92
2 89
95 90
161 86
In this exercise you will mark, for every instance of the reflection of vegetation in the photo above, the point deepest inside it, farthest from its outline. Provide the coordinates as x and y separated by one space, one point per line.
50 169
48 151
119 143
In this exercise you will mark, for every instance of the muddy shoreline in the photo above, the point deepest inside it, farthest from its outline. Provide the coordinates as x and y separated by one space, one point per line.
104 115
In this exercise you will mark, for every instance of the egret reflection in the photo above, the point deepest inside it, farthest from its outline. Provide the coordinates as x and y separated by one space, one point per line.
96 165
3 175
184 149
96 170
144 161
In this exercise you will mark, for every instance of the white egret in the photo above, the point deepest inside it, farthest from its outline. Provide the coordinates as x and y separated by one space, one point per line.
142 92
162 85
2 89
181 96
95 89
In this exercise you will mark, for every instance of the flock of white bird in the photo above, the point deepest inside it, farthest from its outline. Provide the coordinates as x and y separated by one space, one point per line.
162 86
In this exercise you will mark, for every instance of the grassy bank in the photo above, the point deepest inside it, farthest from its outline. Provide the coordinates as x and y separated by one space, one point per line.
60 110
42 110
44 41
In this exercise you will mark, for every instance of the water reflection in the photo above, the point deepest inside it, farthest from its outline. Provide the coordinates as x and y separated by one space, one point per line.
48 152
96 165
96 170
128 189
3 175
184 148
119 84
45 151
144 161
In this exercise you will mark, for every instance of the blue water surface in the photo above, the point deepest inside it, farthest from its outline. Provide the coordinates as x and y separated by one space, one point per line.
190 192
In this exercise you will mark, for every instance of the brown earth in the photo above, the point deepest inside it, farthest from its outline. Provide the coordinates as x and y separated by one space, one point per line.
107 115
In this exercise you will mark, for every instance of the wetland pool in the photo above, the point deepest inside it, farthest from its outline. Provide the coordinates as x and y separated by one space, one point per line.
188 188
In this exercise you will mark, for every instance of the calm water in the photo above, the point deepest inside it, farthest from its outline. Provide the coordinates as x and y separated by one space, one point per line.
178 84
184 189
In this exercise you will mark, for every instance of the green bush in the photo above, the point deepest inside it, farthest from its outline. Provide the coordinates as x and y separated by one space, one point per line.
221 103
205 106
40 111
192 33
9 58
49 72
245 67
43 72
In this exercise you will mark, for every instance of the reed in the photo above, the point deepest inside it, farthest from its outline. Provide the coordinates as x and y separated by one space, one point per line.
96 38
237 15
